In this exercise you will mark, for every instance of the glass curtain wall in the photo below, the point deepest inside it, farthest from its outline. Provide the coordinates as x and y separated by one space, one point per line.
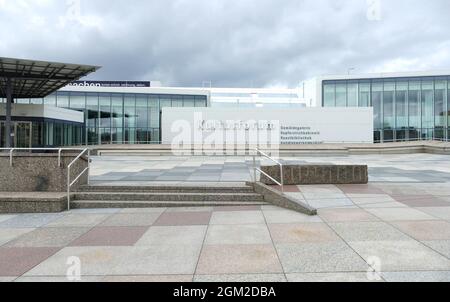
404 108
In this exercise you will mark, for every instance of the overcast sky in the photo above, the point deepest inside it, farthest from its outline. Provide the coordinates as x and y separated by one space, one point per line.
235 43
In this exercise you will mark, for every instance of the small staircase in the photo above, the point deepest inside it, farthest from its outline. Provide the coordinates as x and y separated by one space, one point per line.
164 196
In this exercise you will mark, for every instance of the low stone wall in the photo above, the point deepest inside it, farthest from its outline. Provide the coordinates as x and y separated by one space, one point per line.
317 174
39 172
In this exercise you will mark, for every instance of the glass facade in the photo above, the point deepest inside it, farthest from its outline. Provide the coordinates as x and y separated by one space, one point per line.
414 108
118 118
42 133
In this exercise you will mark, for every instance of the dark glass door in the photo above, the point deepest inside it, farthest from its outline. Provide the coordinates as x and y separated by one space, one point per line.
22 135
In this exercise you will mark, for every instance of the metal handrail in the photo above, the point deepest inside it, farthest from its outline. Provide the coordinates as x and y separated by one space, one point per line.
281 182
60 150
70 184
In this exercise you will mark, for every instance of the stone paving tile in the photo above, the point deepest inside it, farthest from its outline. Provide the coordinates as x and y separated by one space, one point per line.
238 234
93 211
287 189
48 237
320 257
241 278
238 259
236 208
17 261
420 276
287 216
440 212
398 214
386 205
440 246
149 278
183 218
7 279
173 235
320 189
299 233
45 279
345 215
190 209
425 230
360 189
146 219
111 236
248 217
76 220
367 231
95 261
6 217
332 277
324 196
330 203
361 199
30 220
143 211
421 201
401 255
159 260
7 235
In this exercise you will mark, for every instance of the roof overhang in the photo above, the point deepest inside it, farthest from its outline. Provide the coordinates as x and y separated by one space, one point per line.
37 79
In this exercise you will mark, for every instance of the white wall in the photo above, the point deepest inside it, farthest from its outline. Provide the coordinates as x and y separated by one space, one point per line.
43 111
324 125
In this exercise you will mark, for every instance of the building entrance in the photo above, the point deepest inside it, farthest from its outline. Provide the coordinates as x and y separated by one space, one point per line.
22 137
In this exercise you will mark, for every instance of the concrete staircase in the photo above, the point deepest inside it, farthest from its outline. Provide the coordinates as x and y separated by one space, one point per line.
165 196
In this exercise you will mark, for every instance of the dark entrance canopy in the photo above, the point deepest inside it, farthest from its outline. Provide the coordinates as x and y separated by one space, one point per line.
35 79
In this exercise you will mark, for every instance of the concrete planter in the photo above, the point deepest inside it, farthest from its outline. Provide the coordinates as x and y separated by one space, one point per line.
317 174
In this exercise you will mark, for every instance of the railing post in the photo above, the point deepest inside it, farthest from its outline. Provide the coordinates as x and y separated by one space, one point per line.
89 166
282 179
59 157
68 188
11 157
254 168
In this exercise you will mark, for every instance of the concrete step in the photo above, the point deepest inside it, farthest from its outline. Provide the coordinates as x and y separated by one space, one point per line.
32 202
168 189
125 196
93 204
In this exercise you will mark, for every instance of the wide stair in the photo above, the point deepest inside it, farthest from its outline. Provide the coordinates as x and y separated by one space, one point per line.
164 196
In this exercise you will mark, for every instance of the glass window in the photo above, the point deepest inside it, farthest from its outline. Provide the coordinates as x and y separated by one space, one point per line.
427 108
388 105
352 91
414 104
201 101
401 105
364 94
50 100
189 101
329 99
92 111
341 95
377 99
141 111
130 111
117 111
440 95
77 101
62 99
165 101
37 101
105 111
177 101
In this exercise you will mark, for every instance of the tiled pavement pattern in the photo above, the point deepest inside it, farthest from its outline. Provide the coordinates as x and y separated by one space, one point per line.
407 226
405 168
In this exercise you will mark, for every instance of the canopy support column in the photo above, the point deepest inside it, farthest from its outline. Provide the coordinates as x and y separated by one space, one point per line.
8 138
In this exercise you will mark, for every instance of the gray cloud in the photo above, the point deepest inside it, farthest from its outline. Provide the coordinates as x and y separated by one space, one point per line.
229 42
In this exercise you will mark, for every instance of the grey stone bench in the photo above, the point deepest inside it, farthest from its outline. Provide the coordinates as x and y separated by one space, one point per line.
317 174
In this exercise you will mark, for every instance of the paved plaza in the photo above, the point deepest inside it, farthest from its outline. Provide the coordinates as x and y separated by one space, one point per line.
405 229
402 168
398 224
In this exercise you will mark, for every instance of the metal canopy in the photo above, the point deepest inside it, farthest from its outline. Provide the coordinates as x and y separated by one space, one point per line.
37 79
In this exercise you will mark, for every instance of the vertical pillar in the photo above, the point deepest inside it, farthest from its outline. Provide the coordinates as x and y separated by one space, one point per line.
8 140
